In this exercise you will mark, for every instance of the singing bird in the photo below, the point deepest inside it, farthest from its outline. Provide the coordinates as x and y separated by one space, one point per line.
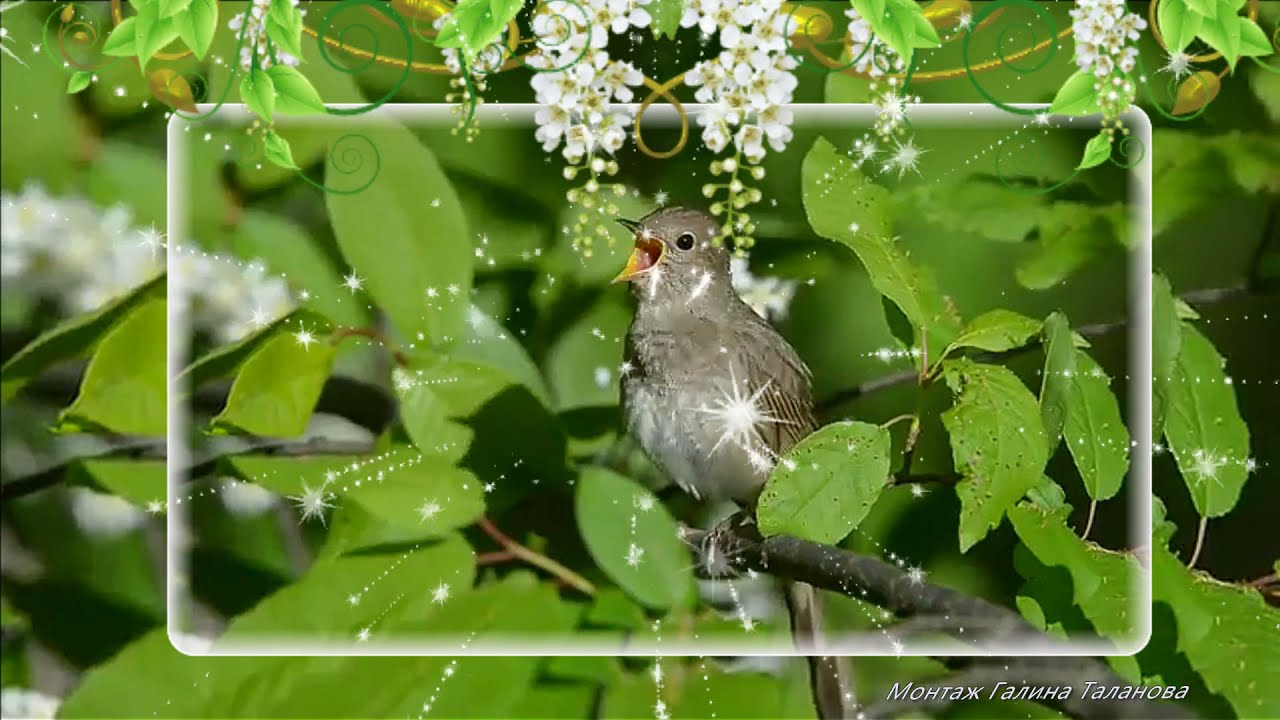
712 393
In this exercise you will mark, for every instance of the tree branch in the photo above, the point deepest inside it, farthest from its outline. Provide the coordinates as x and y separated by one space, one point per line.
738 544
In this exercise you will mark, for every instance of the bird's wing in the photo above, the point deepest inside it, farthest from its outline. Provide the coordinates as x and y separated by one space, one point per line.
772 364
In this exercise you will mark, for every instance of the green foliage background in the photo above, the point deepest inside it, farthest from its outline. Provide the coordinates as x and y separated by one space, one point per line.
505 394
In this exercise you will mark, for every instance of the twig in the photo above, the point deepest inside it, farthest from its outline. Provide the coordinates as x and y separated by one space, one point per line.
1265 580
517 550
1195 554
1088 524
495 557
343 331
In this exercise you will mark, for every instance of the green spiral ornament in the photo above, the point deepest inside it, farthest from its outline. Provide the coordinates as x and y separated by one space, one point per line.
1041 13
326 32
347 156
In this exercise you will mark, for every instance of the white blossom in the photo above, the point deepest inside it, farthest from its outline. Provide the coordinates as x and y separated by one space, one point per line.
103 516
80 256
18 702
870 55
245 499
746 86
579 81
1106 34
768 296
255 37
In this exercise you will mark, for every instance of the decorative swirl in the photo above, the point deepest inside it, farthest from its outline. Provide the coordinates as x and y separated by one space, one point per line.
1008 180
76 36
808 30
663 92
226 90
325 42
347 157
552 33
1173 90
1128 153
1008 60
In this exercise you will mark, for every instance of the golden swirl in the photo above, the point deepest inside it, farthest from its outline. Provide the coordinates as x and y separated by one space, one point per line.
663 91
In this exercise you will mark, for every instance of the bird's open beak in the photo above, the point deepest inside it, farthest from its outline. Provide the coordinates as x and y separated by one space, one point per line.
644 257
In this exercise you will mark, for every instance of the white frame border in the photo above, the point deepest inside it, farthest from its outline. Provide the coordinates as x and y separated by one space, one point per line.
507 114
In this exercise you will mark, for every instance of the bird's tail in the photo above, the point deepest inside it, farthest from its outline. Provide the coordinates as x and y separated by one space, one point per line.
830 677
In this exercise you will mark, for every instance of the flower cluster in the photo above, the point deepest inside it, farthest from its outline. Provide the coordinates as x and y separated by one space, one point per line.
69 251
255 37
872 57
768 296
746 87
23 703
1105 34
576 84
80 257
103 516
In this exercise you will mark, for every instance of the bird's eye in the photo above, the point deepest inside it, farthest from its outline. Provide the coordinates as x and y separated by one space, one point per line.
685 241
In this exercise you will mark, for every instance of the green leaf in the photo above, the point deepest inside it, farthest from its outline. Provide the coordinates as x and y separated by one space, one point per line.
294 93
1225 631
825 485
488 343
666 17
1177 24
1055 383
422 493
277 388
1071 235
997 331
124 385
1102 581
1077 96
141 482
1048 496
79 80
197 25
607 507
122 42
1266 85
153 32
473 25
287 249
276 150
986 207
1096 152
284 27
227 359
318 603
1166 342
1224 34
925 34
843 206
1206 8
997 443
587 352
258 93
73 337
416 260
1203 427
1094 431
169 8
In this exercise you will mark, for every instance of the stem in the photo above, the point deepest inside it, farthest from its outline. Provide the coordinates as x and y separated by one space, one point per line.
341 332
1265 580
894 421
1195 554
1088 524
521 552
495 557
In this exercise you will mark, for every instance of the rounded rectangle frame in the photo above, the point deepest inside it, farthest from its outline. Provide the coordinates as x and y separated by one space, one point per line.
492 115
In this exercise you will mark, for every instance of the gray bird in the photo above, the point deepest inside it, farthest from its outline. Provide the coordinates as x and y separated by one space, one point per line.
713 394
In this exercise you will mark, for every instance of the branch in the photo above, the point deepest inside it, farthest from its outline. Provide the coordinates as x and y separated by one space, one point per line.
828 405
341 332
931 607
562 573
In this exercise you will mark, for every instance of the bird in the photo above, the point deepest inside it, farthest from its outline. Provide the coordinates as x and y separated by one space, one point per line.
713 394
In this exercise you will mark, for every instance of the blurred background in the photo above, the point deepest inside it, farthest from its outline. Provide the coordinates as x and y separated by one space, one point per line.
84 183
